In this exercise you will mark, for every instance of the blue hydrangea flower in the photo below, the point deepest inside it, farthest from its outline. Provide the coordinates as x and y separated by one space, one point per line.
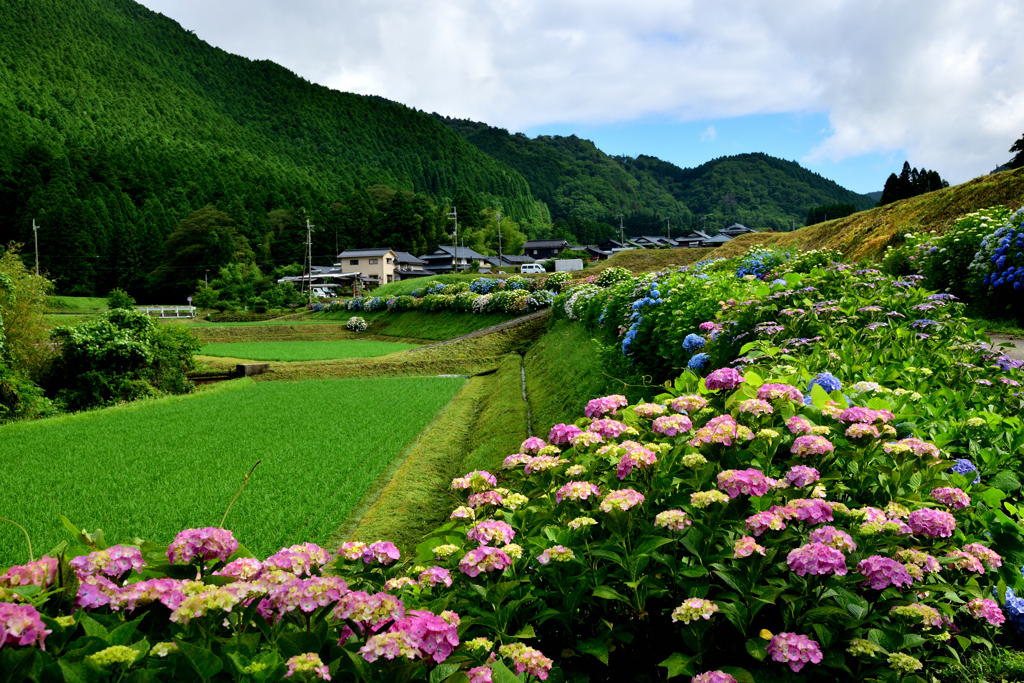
699 361
1013 608
964 466
827 381
693 342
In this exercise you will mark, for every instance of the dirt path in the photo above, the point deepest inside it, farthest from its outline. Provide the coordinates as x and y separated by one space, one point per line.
1016 353
488 330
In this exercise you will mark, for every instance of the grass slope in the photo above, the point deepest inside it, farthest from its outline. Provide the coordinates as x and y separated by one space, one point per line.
862 236
485 423
304 350
166 465
435 326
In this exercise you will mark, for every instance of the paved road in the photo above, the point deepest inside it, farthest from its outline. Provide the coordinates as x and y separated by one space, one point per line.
1015 353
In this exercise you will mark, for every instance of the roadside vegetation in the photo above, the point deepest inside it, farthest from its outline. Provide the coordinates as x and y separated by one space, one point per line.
304 351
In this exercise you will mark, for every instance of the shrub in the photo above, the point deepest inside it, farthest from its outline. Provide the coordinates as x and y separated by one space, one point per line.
120 356
356 324
759 261
998 268
118 298
613 276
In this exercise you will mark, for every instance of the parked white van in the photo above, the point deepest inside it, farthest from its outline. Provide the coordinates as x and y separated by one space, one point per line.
531 268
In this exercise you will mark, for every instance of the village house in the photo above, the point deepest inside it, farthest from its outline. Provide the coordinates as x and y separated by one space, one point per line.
377 265
444 259
408 266
540 250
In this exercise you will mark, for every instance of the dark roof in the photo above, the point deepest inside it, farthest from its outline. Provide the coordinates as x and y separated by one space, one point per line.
355 253
738 228
464 252
545 244
517 258
406 257
718 239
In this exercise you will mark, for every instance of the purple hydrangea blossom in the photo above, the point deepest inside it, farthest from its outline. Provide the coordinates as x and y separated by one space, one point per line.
801 476
834 538
951 497
492 530
794 649
772 392
383 552
810 444
209 543
749 482
607 428
723 378
606 405
484 559
882 572
932 523
576 490
817 559
532 445
21 625
563 433
671 425
40 573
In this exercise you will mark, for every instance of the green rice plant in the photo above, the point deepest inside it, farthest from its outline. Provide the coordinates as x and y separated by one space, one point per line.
154 469
304 350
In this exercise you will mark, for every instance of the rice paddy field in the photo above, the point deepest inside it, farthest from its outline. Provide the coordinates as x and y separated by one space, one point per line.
153 468
303 350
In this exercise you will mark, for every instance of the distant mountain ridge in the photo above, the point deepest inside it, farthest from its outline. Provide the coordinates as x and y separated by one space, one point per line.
575 178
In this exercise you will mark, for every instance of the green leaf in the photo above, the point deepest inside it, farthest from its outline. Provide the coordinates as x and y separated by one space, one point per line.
757 647
609 594
205 663
93 627
741 675
442 671
502 674
677 664
593 646
752 378
122 635
298 643
16 665
1005 481
819 396
526 632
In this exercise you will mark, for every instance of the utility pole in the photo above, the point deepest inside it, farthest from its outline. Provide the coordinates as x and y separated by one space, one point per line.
668 227
309 260
622 237
454 216
35 233
499 238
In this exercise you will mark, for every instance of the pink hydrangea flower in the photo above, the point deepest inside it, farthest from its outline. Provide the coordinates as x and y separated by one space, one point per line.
532 445
352 550
864 415
932 523
749 482
515 460
96 590
607 428
817 559
606 405
882 572
621 499
586 439
563 433
723 378
435 576
764 521
772 392
755 406
309 662
542 463
649 410
637 456
484 558
952 497
833 537
671 425
989 557
40 573
688 404
965 561
305 595
794 649
478 500
492 530
209 543
475 479
859 430
167 591
811 510
913 445
21 625
801 476
919 559
299 559
675 520
693 609
745 547
810 444
480 674
527 659
988 610
715 676
799 425
429 635
722 429
242 569
373 611
924 615
112 562
576 490
383 552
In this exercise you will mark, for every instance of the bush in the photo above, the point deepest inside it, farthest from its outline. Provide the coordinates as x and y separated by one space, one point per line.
613 276
998 269
356 324
120 356
118 298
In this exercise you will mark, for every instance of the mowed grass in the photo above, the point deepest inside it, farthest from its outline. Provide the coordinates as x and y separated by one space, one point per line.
435 326
151 470
303 350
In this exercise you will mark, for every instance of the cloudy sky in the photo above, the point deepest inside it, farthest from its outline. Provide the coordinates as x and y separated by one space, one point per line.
849 88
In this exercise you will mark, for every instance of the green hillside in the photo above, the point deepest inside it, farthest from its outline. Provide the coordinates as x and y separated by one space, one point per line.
577 180
115 123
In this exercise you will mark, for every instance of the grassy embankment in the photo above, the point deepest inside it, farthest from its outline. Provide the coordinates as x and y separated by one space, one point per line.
435 326
304 350
861 236
486 422
152 468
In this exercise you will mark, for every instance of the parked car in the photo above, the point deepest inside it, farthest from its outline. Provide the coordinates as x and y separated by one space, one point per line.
531 268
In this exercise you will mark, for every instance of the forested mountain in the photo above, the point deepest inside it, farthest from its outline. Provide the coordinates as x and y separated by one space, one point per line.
116 123
577 180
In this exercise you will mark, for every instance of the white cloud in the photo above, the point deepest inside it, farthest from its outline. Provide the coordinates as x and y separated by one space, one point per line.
939 78
709 134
